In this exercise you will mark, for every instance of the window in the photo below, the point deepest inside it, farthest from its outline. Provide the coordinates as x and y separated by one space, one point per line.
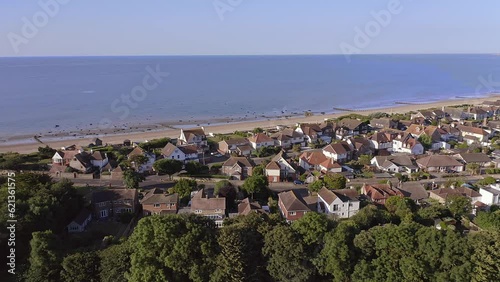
335 207
102 204
218 210
350 205
156 205
291 213
197 211
103 213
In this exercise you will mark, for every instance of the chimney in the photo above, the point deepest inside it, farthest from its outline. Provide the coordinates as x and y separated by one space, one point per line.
485 121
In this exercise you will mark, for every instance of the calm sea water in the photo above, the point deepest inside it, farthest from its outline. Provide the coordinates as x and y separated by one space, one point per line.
74 92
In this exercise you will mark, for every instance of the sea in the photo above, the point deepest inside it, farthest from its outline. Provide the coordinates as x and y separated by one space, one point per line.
51 94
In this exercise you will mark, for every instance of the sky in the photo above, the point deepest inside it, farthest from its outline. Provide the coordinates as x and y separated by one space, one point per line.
247 27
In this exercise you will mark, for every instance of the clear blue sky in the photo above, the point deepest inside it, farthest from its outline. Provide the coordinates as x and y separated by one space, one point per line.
185 27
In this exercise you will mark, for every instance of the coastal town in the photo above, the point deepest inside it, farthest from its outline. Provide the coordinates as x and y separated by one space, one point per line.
448 157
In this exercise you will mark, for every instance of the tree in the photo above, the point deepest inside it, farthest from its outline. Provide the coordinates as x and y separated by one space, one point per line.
138 160
425 140
401 207
194 168
44 259
132 178
115 262
173 248
364 160
473 168
221 185
167 166
335 181
458 205
81 267
257 130
184 187
488 220
312 227
297 148
255 184
46 152
486 257
488 180
316 186
225 189
286 256
259 170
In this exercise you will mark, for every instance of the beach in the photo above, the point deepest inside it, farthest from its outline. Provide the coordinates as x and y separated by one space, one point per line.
27 144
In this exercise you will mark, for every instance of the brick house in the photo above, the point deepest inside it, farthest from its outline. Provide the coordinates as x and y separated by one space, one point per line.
213 208
113 202
379 193
156 201
293 206
238 168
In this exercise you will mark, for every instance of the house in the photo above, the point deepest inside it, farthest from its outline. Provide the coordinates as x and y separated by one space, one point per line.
238 168
379 193
246 207
342 203
98 159
184 153
440 163
231 145
413 190
340 152
244 150
288 169
151 158
127 143
327 130
380 123
156 201
450 132
329 165
494 125
77 160
477 113
273 172
380 141
311 131
195 136
117 173
456 113
213 208
490 195
406 143
113 202
312 159
397 163
443 193
361 146
288 137
80 222
95 142
474 158
472 134
294 206
260 140
350 127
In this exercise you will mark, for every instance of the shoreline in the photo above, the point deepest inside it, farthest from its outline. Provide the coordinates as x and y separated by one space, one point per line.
142 132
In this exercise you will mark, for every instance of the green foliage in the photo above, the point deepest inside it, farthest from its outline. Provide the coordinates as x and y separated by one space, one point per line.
167 166
255 184
401 207
257 130
364 160
425 140
139 160
287 259
115 262
184 187
259 170
44 259
315 186
312 227
81 267
458 205
473 168
486 257
488 180
194 168
221 185
155 144
132 178
335 181
46 152
488 220
492 170
173 248
296 148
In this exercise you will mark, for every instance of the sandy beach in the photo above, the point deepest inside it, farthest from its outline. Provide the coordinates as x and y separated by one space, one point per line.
27 144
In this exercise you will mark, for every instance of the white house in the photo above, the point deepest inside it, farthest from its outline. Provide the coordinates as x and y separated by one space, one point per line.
342 203
148 166
490 195
182 153
406 143
98 159
338 152
380 141
260 140
80 222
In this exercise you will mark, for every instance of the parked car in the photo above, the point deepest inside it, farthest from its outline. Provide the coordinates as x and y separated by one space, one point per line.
298 182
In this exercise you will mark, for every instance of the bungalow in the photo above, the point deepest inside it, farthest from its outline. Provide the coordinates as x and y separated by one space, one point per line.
231 145
246 207
490 195
443 193
238 168
400 163
406 143
413 190
184 153
80 222
474 158
148 166
440 163
342 203
156 201
195 136
113 202
471 134
260 140
339 152
213 208
379 193
293 206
